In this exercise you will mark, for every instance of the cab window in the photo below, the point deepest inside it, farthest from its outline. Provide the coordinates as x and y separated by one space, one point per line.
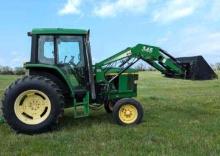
46 49
70 50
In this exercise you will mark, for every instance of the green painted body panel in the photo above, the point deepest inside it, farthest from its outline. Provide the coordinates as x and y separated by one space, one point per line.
69 78
123 83
59 31
1 120
100 75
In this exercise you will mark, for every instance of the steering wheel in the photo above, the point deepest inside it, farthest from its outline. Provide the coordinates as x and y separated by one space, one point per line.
71 62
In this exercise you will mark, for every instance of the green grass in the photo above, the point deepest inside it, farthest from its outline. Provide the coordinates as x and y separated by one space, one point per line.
181 118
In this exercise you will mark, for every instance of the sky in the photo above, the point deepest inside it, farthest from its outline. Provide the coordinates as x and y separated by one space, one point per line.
181 27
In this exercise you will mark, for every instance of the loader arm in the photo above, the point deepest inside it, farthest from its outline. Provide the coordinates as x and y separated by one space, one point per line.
154 56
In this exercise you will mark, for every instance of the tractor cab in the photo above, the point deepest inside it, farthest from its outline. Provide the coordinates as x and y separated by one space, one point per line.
63 55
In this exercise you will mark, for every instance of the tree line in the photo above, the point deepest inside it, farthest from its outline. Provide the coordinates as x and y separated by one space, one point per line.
6 70
216 66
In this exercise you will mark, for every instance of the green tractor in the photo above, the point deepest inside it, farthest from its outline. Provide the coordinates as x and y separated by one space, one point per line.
60 75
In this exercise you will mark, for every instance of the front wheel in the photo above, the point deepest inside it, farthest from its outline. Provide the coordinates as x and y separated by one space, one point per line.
127 112
32 104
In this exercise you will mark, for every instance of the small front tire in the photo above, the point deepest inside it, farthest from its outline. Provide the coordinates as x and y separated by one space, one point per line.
127 112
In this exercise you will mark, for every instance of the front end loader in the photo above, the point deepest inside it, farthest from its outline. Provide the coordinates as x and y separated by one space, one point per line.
60 75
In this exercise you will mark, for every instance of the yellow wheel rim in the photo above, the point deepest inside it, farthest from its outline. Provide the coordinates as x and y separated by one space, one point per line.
128 114
32 107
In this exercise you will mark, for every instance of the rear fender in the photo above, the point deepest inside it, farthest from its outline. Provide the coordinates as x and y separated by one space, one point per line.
51 69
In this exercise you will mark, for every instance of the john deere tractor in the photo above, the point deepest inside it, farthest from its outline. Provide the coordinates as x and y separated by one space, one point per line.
60 74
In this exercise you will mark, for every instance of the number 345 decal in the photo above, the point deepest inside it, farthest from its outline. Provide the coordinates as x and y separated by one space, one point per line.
147 49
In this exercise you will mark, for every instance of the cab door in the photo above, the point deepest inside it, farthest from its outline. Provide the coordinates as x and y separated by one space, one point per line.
71 59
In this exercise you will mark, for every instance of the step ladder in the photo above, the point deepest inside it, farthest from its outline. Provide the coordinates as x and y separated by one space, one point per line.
81 109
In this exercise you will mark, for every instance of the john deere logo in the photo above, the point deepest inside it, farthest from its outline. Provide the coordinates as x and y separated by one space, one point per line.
147 49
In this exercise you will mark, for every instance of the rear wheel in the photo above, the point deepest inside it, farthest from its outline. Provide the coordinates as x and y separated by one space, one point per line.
127 112
32 104
32 107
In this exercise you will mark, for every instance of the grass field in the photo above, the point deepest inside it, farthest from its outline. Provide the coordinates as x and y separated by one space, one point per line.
181 118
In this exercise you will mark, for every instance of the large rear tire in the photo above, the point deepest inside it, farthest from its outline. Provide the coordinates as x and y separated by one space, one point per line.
32 104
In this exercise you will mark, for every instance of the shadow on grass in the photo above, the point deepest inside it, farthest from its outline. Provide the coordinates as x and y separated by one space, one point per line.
95 118
99 118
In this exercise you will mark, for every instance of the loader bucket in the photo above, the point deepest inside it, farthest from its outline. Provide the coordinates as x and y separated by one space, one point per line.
197 68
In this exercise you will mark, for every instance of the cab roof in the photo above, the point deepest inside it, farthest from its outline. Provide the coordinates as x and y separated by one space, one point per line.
61 31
